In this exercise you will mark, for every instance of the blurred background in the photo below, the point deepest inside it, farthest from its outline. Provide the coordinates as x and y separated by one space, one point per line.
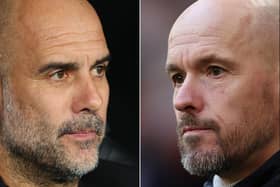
160 159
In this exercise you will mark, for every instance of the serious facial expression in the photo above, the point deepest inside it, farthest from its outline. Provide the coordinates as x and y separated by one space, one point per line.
225 95
56 93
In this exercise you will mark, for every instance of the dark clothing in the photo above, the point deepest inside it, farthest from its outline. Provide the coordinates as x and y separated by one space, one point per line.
2 184
109 174
116 168
268 175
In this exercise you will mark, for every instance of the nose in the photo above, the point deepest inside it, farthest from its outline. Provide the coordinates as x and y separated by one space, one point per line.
88 97
189 97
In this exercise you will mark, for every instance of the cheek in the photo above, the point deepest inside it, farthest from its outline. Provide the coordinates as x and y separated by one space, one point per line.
104 93
243 104
55 107
48 104
177 113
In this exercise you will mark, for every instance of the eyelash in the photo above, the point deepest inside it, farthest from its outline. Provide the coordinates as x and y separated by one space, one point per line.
56 73
101 67
178 78
211 70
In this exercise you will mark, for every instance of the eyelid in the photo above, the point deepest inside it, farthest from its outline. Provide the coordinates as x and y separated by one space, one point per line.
216 66
54 73
105 63
173 77
210 71
104 69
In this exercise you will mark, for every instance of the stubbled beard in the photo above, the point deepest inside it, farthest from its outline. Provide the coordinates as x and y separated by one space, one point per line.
226 153
35 144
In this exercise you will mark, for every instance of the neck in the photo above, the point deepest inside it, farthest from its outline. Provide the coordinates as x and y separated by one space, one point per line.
251 164
17 173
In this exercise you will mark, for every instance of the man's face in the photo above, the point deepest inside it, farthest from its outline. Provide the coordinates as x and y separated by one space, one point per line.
56 94
226 96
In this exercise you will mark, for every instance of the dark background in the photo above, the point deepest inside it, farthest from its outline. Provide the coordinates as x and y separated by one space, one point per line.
120 21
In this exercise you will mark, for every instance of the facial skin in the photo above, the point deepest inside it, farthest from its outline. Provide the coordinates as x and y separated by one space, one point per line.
223 60
55 94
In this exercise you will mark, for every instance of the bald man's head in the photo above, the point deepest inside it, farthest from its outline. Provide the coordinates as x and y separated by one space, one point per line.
238 22
53 62
223 60
21 21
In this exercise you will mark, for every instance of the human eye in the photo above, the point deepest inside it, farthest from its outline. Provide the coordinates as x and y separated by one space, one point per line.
215 71
59 75
177 79
99 70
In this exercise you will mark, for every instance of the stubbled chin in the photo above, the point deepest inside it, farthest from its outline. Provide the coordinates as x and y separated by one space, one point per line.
201 140
80 151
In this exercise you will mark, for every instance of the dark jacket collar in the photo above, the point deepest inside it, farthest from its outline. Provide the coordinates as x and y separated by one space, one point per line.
268 175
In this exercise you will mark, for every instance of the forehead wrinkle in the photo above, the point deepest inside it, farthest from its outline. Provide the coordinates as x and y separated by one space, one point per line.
59 38
178 59
183 29
86 45
56 33
64 41
203 40
190 50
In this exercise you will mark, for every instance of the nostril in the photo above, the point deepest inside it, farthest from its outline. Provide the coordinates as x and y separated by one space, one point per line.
190 110
87 111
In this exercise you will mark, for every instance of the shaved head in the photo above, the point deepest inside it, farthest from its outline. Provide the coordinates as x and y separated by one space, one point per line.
253 21
223 60
53 59
19 20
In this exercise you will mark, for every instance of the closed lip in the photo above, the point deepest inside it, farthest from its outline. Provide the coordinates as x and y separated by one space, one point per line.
86 134
82 132
189 129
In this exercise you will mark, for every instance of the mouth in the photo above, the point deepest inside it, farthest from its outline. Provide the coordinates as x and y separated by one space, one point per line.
82 135
188 130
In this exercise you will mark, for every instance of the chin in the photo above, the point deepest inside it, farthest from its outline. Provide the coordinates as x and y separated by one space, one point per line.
79 160
82 164
202 160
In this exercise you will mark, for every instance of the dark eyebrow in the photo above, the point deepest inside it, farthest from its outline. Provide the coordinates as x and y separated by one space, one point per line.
70 65
58 65
102 60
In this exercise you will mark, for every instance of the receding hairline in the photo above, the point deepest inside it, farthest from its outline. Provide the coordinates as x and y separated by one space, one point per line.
10 21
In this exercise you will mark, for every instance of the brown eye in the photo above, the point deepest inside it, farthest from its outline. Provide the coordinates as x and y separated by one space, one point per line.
99 70
178 78
59 75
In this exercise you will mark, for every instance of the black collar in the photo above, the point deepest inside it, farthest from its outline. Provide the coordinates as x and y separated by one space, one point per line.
267 175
